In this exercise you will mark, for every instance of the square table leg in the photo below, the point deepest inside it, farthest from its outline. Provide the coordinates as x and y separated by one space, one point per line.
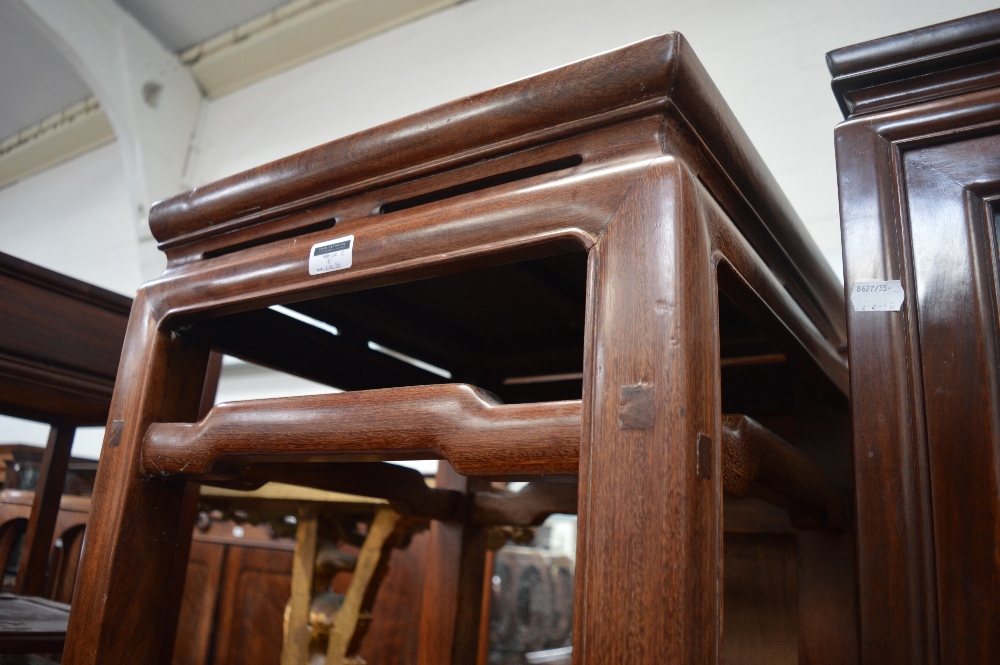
127 599
648 587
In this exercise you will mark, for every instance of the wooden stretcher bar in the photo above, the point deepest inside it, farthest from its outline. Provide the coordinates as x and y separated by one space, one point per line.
470 428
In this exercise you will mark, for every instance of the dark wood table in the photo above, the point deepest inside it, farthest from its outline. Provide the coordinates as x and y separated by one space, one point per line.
918 160
60 342
570 278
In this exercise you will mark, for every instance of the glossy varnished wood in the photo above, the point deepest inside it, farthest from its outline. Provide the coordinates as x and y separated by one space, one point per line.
476 434
457 422
631 156
60 342
918 175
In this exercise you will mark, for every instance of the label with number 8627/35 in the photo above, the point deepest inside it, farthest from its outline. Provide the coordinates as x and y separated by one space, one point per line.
331 255
877 296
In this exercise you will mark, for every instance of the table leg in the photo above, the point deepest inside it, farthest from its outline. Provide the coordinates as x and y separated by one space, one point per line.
648 589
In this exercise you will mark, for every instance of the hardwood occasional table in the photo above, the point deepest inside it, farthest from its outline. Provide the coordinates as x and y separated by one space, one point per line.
570 277
918 160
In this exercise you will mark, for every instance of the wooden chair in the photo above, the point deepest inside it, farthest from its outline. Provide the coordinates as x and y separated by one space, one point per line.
918 161
67 544
600 251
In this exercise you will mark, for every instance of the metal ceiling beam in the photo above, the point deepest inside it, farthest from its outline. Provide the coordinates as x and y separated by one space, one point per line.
149 96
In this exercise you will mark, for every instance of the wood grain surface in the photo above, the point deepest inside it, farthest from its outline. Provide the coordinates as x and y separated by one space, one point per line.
919 180
632 157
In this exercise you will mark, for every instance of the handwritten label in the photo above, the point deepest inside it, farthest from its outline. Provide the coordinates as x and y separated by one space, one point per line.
331 255
877 296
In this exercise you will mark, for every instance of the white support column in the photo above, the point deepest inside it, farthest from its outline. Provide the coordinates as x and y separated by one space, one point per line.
150 97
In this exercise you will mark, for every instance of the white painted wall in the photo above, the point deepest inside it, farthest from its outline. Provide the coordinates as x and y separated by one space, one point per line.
75 219
766 56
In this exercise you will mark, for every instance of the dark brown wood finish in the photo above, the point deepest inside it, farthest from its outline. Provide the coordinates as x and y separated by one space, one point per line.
44 511
631 156
919 174
60 343
452 600
478 437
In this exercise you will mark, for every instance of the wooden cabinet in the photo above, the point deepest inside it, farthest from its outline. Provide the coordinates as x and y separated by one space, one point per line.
233 607
198 607
919 171
256 583
234 599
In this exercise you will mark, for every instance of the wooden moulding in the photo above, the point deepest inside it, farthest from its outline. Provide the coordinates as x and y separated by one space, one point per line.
919 184
582 109
933 62
752 455
60 343
468 427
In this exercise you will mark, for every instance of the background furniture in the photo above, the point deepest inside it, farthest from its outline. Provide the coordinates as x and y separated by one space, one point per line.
31 625
64 555
601 251
60 342
244 575
23 468
919 169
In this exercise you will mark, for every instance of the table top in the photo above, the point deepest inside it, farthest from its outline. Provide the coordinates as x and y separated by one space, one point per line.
659 76
60 341
515 328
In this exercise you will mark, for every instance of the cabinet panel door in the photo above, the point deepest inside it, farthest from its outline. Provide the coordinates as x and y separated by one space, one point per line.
201 594
951 190
255 588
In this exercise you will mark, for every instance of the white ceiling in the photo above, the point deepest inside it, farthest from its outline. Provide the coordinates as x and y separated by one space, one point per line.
37 82
181 24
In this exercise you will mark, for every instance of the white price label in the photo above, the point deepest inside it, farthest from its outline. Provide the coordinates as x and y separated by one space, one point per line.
877 296
331 255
